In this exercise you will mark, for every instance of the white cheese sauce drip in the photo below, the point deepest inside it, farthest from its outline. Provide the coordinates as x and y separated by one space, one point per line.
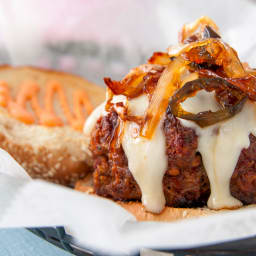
220 145
138 106
147 160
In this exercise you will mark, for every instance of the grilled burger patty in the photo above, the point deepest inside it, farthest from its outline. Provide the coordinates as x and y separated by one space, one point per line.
185 182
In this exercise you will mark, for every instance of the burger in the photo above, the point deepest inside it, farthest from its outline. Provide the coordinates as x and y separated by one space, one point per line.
176 137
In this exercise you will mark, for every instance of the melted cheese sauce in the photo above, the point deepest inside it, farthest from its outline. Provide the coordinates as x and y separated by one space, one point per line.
147 162
220 145
147 159
138 106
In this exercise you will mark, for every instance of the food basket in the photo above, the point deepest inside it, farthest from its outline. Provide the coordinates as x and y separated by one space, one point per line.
58 237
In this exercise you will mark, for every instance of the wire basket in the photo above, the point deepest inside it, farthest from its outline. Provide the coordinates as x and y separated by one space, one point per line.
58 237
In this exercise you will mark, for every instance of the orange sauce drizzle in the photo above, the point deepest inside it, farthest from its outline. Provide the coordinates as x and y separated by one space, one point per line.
45 115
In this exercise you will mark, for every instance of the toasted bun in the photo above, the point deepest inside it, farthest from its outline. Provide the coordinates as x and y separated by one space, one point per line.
57 154
137 209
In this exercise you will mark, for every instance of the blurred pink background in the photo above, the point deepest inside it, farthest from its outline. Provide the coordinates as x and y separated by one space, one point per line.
106 38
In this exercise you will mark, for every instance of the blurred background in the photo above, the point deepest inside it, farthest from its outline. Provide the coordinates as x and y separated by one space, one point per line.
106 38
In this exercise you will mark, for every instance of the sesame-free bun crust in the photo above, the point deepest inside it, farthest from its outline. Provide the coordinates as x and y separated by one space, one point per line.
137 209
57 154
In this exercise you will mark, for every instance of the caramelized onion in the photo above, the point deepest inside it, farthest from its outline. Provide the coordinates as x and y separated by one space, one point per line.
133 84
129 87
247 83
210 33
159 58
168 83
212 51
248 69
206 118
196 30
200 51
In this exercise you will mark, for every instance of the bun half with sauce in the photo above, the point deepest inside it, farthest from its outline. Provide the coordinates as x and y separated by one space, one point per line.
42 113
179 131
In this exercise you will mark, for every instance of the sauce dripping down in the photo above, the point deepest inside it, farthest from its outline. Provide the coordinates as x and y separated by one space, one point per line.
45 115
147 159
220 146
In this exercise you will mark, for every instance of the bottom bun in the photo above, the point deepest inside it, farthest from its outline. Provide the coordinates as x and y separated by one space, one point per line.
138 210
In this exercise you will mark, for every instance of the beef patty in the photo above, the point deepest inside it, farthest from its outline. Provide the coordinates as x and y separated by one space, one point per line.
185 182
